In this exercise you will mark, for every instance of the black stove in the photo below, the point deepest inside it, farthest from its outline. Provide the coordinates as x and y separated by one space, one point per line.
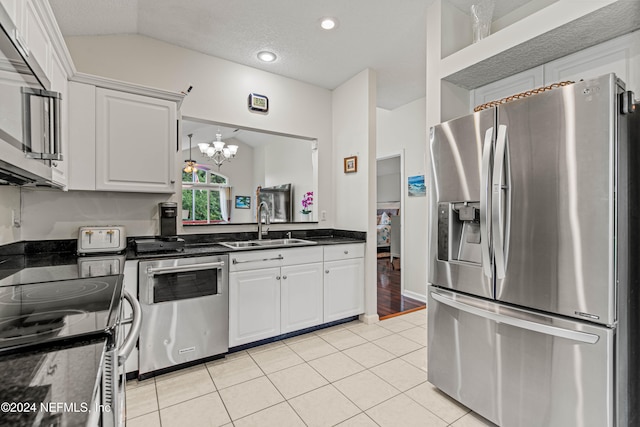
55 304
41 314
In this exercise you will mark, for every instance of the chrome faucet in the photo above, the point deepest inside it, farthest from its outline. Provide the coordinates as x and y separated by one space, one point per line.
262 232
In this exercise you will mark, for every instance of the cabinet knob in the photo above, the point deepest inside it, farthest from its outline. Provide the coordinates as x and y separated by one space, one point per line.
346 252
326 271
277 277
284 277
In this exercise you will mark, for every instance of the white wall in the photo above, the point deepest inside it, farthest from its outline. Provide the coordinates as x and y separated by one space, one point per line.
54 214
388 184
220 91
9 202
388 188
354 134
404 129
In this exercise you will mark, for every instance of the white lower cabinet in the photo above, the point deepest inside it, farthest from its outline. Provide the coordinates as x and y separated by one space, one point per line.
254 305
273 292
343 281
301 297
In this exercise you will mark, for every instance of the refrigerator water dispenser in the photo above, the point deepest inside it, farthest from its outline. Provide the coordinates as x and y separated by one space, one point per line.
459 232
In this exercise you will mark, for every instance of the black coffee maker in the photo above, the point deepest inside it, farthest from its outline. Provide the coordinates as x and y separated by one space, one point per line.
168 217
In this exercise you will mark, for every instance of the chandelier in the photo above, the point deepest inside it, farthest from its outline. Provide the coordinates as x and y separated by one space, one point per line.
189 165
218 151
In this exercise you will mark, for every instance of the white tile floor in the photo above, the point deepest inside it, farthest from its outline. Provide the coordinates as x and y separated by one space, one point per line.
353 375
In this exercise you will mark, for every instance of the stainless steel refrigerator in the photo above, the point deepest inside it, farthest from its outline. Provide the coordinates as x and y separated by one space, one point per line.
532 297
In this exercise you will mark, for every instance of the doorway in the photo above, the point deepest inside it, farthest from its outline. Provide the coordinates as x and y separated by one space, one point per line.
390 237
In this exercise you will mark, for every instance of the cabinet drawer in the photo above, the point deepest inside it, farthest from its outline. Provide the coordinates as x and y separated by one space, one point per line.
338 252
302 255
253 260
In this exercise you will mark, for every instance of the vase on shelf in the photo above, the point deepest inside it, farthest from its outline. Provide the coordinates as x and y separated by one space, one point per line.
482 14
306 216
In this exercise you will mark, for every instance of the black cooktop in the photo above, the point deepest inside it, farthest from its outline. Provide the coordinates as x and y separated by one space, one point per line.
55 312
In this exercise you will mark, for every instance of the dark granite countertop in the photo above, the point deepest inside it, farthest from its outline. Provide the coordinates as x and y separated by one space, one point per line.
49 253
209 244
38 383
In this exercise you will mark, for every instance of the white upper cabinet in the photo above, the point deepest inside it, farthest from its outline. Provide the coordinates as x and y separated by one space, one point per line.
37 40
620 56
523 43
60 84
136 142
121 141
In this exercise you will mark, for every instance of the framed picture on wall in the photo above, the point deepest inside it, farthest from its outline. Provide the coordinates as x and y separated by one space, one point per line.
243 202
417 187
351 164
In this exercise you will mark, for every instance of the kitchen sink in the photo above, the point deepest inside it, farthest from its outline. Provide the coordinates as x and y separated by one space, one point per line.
270 243
284 242
240 245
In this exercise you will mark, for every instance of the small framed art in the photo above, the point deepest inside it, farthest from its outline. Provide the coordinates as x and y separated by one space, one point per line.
351 164
243 202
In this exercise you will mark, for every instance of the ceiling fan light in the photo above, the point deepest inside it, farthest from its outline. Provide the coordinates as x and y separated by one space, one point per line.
190 167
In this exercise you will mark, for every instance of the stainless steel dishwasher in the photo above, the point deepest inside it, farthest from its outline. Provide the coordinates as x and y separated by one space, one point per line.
185 306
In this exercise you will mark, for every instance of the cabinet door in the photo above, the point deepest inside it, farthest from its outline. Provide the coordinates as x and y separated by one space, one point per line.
15 10
80 159
59 83
614 56
36 37
301 297
254 305
136 139
343 289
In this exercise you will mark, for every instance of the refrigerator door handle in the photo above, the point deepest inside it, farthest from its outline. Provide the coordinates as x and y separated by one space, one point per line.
498 224
485 196
555 331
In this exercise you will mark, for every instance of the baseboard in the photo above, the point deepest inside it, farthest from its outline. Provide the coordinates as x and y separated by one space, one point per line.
415 295
369 319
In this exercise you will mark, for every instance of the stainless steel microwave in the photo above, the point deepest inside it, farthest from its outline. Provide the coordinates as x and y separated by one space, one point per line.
29 113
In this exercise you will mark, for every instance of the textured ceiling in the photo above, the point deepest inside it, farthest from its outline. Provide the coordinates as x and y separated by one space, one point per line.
388 36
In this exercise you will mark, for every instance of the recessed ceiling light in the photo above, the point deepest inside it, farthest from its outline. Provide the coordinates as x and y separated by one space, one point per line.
328 23
266 56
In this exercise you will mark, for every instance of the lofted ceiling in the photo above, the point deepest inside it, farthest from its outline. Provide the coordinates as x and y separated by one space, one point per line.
387 36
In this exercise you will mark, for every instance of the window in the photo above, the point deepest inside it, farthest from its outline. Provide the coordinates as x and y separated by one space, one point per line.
204 197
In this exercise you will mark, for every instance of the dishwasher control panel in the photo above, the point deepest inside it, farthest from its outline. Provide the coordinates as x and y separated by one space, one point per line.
101 239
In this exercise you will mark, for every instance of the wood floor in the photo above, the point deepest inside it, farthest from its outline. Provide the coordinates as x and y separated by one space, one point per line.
390 300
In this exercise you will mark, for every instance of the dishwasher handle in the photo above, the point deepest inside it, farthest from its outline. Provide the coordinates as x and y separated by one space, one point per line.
136 323
152 271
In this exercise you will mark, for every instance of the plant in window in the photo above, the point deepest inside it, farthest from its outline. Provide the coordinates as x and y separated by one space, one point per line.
307 201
